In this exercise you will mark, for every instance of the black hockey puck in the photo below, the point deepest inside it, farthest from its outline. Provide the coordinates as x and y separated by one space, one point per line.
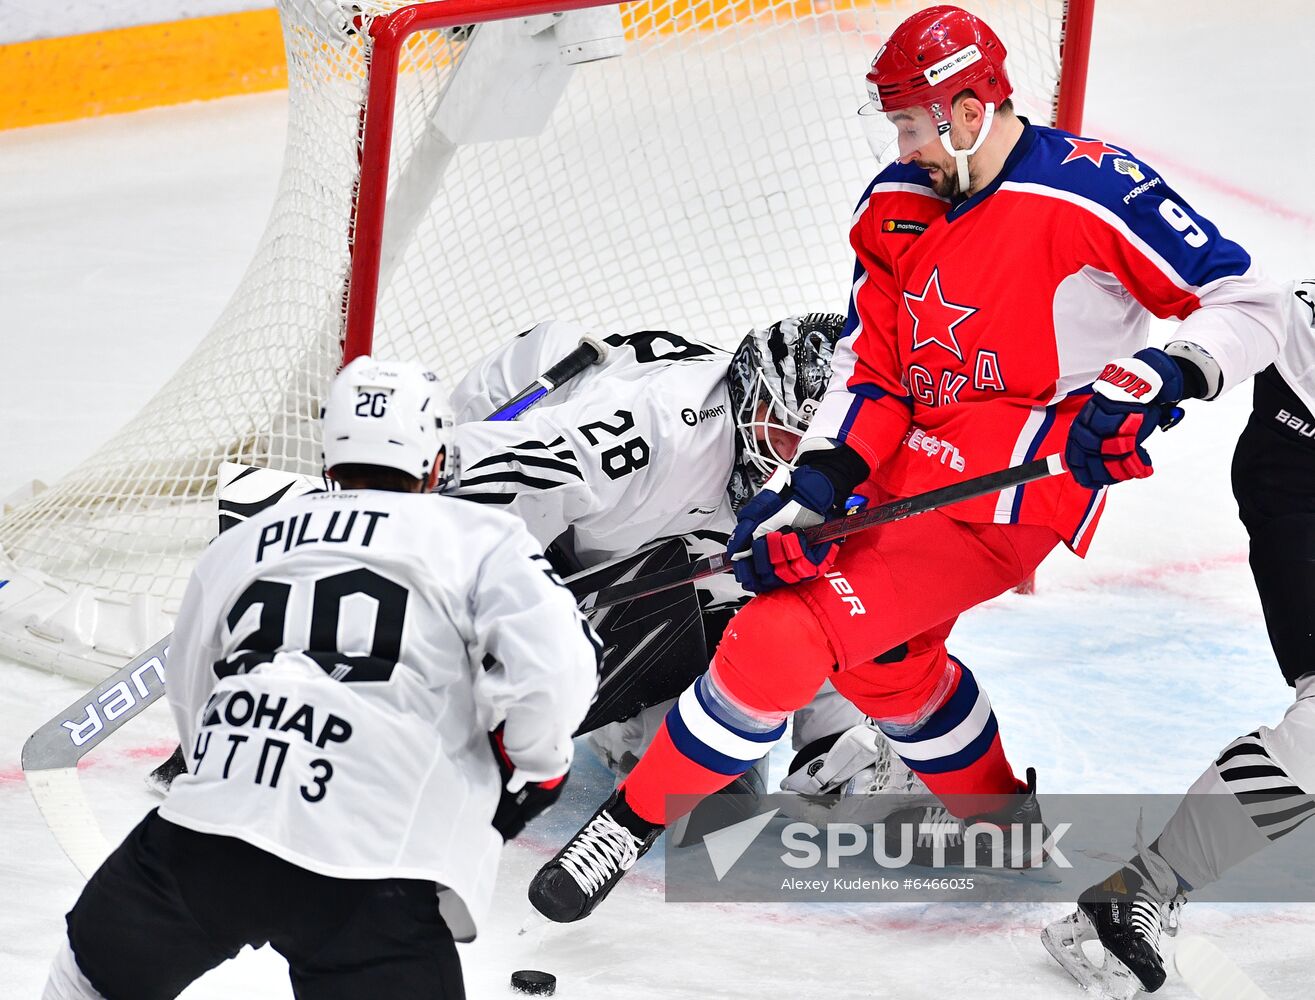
534 982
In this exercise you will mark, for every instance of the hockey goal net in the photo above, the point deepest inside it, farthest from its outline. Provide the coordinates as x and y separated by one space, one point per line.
455 172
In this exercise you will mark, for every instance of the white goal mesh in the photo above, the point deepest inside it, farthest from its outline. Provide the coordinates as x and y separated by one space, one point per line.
701 181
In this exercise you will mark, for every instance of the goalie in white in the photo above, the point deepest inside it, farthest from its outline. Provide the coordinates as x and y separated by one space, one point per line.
375 687
666 438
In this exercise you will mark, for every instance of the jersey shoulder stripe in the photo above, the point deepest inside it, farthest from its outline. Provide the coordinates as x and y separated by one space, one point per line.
529 465
561 462
512 476
1130 196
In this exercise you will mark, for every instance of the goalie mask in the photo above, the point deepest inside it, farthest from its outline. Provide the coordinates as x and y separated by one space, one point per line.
391 414
776 378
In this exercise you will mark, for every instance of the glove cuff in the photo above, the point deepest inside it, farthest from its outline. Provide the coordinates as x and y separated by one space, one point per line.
1202 376
842 466
1171 375
1149 377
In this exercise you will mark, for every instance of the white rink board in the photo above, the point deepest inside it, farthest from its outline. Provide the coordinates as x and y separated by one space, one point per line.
125 236
27 22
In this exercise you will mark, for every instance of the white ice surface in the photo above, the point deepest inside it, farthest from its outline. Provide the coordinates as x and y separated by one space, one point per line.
121 239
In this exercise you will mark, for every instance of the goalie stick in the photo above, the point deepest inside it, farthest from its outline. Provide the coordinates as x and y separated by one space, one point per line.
589 352
51 754
839 527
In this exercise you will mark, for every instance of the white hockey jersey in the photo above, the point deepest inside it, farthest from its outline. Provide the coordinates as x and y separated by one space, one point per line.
635 449
1296 361
337 665
638 448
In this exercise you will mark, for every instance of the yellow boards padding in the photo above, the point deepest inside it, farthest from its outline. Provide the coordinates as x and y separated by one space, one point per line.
127 69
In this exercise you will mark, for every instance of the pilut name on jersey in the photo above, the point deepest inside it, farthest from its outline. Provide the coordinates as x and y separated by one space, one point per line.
973 341
344 655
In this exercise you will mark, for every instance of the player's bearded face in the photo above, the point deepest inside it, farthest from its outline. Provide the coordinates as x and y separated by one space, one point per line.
940 165
919 143
941 169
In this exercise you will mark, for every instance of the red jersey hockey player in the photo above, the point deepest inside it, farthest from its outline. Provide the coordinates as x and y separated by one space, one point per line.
1000 265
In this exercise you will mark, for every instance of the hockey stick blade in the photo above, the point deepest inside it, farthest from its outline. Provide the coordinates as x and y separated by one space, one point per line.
51 754
896 510
1211 974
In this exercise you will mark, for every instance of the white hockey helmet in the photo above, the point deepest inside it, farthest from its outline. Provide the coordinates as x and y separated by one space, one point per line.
393 414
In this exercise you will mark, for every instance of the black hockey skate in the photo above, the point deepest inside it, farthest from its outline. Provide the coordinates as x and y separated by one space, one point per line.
162 778
938 839
569 886
1127 913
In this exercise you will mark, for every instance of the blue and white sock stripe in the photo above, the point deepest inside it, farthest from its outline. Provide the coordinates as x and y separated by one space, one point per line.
710 731
956 735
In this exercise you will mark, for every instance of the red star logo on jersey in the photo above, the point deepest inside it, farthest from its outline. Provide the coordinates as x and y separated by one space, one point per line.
934 319
1093 150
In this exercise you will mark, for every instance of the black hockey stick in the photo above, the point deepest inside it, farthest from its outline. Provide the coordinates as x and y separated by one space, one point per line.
839 527
589 352
51 754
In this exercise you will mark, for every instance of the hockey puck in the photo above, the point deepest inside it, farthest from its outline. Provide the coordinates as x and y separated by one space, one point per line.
534 982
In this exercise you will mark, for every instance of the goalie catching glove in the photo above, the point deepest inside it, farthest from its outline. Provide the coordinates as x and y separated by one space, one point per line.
518 805
767 547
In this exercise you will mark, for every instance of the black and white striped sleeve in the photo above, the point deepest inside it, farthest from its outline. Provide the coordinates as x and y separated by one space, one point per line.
534 465
538 479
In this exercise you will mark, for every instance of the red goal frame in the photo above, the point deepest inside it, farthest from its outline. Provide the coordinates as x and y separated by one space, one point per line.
388 36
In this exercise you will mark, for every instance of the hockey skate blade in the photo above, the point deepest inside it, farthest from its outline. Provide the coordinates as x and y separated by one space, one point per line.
1064 939
1211 974
535 924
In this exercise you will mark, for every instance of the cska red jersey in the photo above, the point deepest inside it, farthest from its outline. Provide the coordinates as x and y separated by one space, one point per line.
975 330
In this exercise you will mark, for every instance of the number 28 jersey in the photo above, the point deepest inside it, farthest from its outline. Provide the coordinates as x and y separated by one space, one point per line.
338 662
975 330
637 448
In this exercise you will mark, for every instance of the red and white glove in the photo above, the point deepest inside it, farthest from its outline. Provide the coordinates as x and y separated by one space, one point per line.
1132 397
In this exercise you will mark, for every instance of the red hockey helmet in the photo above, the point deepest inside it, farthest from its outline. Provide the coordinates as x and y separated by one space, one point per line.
930 57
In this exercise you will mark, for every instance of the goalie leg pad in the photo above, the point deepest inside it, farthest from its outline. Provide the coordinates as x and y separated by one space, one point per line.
827 715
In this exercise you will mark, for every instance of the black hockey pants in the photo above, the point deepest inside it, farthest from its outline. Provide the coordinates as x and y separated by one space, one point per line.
170 904
1274 484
